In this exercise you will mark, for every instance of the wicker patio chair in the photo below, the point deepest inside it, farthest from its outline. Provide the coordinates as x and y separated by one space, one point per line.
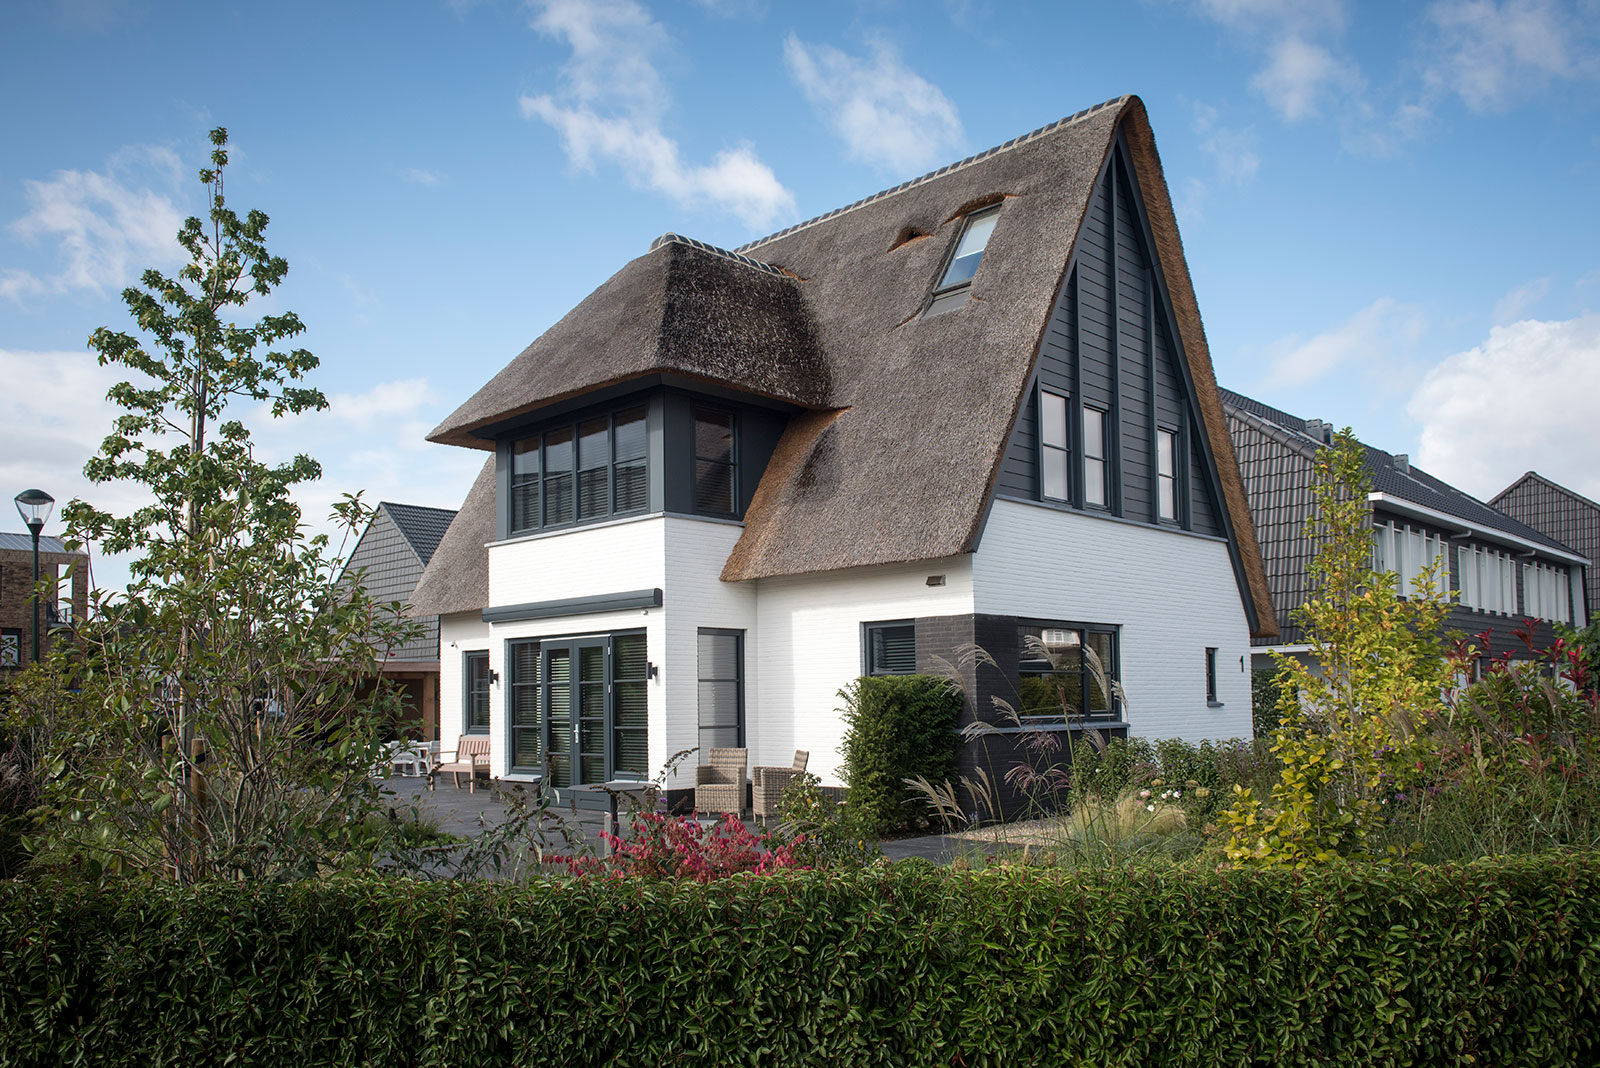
768 784
719 784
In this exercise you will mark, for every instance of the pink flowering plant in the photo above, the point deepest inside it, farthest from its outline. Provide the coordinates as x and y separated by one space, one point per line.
681 847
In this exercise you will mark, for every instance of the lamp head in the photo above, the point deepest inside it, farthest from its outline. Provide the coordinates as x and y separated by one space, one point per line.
34 506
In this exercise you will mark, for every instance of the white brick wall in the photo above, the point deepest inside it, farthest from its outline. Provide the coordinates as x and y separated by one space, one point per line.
458 634
810 628
1174 595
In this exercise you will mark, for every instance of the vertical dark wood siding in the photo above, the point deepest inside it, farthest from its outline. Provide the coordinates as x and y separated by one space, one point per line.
1103 355
1572 520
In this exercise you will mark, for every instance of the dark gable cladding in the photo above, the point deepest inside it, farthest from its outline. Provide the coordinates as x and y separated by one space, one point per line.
897 453
1559 513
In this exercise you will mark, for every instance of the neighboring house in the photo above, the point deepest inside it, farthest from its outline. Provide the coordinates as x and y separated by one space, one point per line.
61 609
390 556
974 408
1557 512
1499 571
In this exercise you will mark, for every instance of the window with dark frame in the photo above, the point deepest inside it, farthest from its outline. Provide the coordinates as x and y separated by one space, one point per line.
890 648
580 472
1067 674
715 461
1167 475
1095 491
1055 451
1211 675
577 707
476 720
720 670
975 233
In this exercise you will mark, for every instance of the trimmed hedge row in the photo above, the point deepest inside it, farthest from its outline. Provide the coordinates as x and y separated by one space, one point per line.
1485 964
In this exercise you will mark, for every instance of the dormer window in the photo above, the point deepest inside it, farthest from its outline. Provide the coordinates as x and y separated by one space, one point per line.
969 250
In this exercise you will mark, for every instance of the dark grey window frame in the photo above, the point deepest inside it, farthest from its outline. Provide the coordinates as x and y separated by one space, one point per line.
732 462
868 664
1211 677
1066 450
738 679
468 658
1178 509
613 466
941 289
1108 484
545 644
1116 714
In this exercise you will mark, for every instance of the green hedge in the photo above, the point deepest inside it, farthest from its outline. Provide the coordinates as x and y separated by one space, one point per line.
1486 964
897 727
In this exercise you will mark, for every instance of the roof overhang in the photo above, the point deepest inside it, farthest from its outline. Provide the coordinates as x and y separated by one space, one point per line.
1459 526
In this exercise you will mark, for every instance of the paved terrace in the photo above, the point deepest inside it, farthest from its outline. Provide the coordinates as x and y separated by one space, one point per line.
457 811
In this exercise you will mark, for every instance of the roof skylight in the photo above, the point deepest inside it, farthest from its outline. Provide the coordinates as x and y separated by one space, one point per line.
969 250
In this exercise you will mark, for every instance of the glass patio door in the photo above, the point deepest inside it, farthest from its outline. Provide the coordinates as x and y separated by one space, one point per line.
574 705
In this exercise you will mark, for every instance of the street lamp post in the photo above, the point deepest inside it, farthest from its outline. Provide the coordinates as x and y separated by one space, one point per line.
35 505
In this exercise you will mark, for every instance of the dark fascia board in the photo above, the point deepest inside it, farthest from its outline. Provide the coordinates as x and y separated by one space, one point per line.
627 388
572 606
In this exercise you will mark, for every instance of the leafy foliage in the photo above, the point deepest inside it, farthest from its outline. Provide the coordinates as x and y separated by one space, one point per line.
823 832
897 727
1490 963
1347 727
217 721
663 846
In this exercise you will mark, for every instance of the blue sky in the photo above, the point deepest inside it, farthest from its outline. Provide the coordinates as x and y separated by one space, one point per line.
1389 210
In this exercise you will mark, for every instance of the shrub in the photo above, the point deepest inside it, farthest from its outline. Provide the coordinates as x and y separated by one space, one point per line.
898 727
1486 964
823 832
1205 773
678 847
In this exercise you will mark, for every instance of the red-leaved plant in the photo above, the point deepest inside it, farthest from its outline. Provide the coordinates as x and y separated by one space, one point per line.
679 847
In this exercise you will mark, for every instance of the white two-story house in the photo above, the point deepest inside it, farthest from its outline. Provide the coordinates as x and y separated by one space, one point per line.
972 408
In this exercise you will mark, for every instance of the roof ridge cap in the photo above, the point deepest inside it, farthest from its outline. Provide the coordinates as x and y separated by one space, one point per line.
1015 142
670 238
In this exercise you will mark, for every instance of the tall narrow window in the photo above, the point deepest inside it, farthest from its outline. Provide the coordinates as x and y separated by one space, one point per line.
523 707
1167 475
1211 676
721 673
631 442
969 250
891 648
1054 451
1094 457
594 467
629 673
715 462
525 483
558 477
476 666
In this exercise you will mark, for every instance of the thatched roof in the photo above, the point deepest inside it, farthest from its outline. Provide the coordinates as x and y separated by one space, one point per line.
457 578
683 308
911 412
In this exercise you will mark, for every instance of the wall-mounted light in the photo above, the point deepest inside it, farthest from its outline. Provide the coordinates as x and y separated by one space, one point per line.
652 670
936 580
494 677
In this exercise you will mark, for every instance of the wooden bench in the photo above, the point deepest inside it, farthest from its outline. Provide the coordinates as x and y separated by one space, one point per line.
471 754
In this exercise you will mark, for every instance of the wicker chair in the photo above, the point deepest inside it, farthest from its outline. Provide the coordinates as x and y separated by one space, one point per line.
769 783
719 784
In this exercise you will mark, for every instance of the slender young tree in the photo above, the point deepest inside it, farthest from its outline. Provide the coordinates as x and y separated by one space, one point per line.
223 718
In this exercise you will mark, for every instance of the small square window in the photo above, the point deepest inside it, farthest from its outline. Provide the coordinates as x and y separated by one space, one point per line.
890 648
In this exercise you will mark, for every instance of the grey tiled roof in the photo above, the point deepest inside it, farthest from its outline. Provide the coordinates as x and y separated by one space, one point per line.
1415 485
422 527
24 543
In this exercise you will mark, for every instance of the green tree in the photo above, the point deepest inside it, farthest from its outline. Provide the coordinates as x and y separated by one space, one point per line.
218 720
1349 715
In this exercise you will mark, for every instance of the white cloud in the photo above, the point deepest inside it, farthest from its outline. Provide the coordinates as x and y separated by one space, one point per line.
612 105
1191 203
730 9
1232 151
886 114
1522 400
1299 75
1374 336
427 179
106 226
1520 299
1493 54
